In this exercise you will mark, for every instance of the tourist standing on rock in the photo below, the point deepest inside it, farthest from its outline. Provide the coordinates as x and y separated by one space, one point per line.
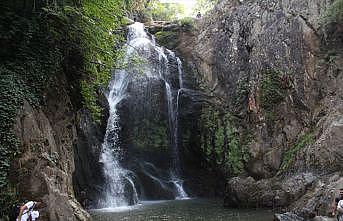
337 207
340 210
199 15
27 213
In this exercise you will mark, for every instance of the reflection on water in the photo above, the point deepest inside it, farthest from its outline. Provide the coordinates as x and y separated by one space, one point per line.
185 210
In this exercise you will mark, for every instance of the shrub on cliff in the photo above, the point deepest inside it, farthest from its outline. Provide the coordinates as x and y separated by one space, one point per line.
39 42
187 23
332 21
334 14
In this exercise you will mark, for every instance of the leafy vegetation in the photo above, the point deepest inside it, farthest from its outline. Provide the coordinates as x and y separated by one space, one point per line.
167 38
41 41
289 156
203 6
223 146
271 94
151 135
187 23
333 15
242 91
164 11
271 90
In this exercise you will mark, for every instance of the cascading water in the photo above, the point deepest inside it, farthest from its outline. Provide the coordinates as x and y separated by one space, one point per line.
120 187
173 124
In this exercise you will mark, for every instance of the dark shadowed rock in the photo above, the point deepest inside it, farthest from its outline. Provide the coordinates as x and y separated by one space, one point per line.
46 164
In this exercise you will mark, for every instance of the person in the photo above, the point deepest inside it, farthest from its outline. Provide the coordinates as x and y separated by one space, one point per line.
199 15
340 210
337 207
34 215
25 212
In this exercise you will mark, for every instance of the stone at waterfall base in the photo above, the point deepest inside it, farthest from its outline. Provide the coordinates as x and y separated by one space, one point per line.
293 217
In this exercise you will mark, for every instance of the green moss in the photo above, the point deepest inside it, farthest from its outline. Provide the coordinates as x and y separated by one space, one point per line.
289 156
168 39
231 147
37 45
333 15
271 95
150 135
187 23
242 91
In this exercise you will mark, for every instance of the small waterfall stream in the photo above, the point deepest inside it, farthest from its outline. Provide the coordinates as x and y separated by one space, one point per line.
120 187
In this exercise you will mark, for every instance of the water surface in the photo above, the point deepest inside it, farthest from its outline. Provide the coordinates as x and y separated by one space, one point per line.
177 210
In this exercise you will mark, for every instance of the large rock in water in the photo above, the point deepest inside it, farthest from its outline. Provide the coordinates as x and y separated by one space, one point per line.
287 217
45 167
293 217
271 193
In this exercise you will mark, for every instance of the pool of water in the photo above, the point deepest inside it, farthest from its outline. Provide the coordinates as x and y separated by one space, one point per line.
177 210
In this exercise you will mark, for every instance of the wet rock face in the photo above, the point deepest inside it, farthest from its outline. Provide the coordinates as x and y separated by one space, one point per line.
266 64
235 50
144 121
88 177
46 164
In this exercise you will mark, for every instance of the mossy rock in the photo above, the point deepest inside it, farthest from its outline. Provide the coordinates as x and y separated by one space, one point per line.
167 39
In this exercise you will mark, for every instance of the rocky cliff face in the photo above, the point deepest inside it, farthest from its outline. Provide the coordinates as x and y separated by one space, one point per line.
273 112
44 170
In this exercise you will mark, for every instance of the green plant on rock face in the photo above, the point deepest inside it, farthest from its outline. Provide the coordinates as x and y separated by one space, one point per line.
271 94
231 152
289 157
150 135
167 38
39 43
235 154
333 15
187 23
242 91
204 6
164 11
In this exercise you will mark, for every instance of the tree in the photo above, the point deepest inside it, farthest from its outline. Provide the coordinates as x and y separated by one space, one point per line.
204 6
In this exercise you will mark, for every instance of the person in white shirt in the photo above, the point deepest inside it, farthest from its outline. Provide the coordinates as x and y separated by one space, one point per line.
34 215
27 209
340 210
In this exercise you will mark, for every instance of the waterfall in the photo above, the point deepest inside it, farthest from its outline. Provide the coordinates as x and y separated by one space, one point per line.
120 189
117 178
173 107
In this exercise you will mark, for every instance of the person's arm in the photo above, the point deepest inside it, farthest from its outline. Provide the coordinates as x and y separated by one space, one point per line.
22 208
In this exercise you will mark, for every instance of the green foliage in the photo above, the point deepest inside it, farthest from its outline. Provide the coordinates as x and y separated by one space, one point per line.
271 94
151 135
242 91
333 15
289 157
164 11
187 23
235 156
204 6
230 151
99 21
37 44
167 38
29 57
8 200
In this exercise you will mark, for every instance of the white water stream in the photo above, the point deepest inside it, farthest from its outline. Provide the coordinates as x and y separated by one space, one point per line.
119 181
